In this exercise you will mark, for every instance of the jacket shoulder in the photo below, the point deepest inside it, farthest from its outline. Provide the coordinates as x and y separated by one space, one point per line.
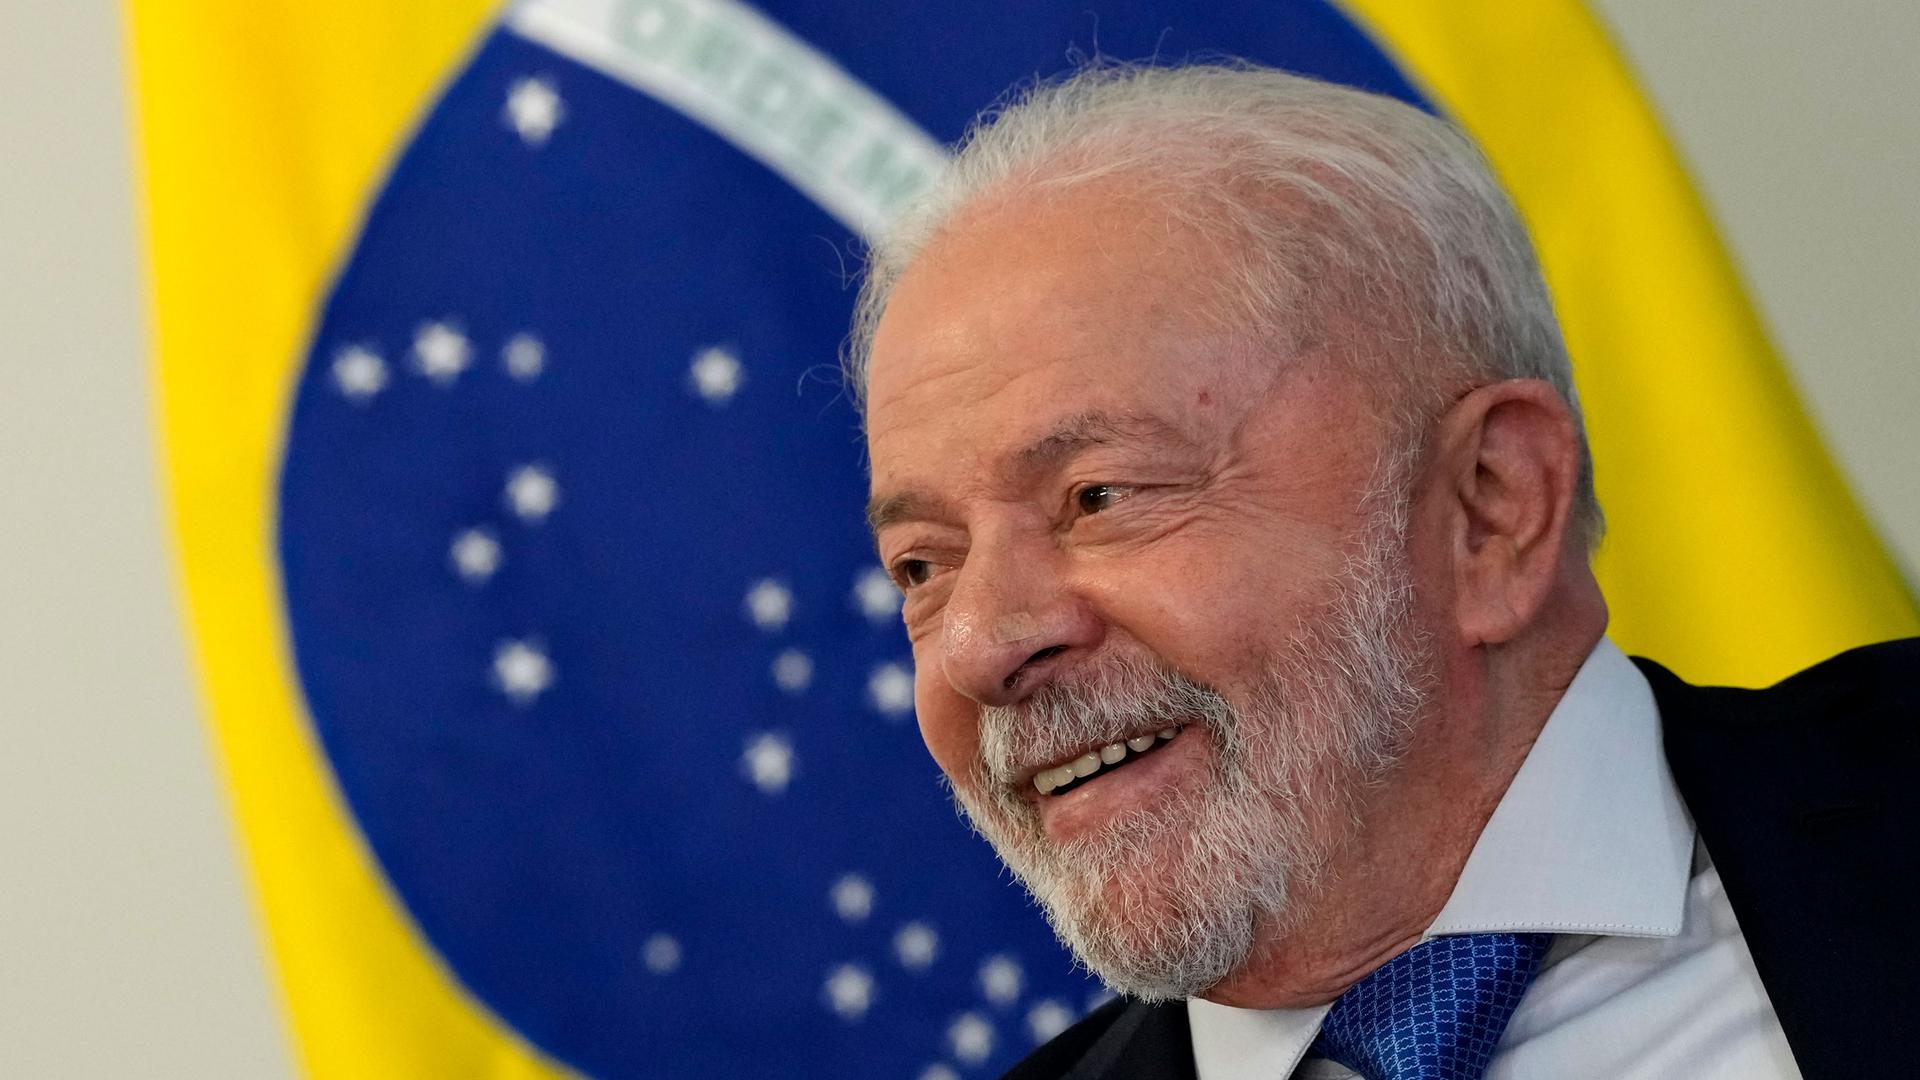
1869 683
1840 738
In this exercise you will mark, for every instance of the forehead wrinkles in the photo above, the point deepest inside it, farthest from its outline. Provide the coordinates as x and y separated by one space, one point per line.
1043 244
1118 290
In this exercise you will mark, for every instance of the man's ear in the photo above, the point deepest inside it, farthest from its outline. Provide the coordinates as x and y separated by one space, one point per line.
1509 454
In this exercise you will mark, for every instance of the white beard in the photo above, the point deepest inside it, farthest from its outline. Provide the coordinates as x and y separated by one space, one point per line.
1163 902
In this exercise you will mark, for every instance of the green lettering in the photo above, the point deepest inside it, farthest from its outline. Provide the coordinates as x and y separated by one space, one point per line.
814 132
650 28
715 54
879 171
770 94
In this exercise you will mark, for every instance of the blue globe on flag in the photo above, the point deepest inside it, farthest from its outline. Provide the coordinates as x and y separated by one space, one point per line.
581 599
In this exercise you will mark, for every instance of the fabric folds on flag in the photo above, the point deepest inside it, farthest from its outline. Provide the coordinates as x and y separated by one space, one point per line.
263 130
566 721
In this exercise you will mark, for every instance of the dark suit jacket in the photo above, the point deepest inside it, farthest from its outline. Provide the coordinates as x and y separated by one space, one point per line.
1807 796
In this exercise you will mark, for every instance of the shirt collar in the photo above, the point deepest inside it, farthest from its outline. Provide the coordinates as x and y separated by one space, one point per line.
1590 838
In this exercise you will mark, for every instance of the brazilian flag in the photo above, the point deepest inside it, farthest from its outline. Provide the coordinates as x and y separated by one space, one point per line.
565 717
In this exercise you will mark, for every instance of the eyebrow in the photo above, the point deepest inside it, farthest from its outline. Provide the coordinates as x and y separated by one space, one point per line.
1069 437
883 511
1096 428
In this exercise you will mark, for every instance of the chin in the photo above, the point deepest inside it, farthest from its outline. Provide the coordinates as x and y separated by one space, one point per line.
1161 906
1142 944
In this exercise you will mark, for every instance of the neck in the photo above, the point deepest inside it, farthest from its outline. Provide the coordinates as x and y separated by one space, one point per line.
1389 880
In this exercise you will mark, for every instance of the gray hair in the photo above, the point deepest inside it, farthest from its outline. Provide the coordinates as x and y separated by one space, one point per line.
1347 210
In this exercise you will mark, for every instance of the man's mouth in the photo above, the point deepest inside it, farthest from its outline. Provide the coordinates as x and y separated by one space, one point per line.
1070 774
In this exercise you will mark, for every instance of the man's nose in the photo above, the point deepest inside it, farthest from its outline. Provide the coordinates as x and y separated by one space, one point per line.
1011 622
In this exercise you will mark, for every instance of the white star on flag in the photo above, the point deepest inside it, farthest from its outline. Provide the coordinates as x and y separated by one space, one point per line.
850 991
521 670
770 605
476 555
441 352
533 110
1000 979
939 1072
792 671
1047 1019
852 898
661 954
716 375
916 945
532 493
359 373
890 689
876 595
971 1037
768 762
524 356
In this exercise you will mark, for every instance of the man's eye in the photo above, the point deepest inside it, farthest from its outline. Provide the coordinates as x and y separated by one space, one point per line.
1097 497
910 572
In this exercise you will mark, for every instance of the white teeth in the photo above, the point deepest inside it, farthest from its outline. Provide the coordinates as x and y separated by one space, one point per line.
1047 781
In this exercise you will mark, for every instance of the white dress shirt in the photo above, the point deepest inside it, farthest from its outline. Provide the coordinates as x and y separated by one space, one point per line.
1649 978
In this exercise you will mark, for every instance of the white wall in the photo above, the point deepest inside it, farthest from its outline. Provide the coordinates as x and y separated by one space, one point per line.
1802 124
127 947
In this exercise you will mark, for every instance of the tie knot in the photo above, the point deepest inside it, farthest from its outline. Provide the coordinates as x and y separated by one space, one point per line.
1436 1011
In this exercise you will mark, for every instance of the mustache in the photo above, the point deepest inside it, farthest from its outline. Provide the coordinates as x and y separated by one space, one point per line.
1095 706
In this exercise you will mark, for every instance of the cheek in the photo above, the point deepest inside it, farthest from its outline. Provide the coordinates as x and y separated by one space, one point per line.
947 722
1217 615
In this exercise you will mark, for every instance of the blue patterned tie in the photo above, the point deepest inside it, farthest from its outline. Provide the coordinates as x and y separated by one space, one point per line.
1436 1011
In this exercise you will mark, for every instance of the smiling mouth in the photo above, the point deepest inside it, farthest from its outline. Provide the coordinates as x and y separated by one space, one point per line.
1068 775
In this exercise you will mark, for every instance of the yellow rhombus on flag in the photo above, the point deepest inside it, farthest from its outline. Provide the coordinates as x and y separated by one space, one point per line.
1735 552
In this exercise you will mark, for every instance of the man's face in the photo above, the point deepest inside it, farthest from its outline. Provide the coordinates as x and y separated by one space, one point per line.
1113 522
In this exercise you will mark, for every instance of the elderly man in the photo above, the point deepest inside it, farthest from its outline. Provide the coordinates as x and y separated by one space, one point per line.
1224 445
